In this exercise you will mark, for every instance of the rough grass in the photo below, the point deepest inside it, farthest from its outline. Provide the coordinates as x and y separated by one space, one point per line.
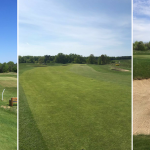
141 66
141 52
72 110
8 116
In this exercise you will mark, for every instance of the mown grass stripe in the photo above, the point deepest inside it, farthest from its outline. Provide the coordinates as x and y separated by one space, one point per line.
30 136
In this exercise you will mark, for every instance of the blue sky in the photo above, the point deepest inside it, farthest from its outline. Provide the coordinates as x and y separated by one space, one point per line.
75 26
8 31
141 20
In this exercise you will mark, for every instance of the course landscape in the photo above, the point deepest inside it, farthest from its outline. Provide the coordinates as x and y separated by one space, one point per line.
141 71
8 115
75 106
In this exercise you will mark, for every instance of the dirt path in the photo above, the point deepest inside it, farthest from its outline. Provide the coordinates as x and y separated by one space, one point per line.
141 106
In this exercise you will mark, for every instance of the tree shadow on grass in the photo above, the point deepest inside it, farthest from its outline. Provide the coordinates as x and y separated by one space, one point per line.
30 136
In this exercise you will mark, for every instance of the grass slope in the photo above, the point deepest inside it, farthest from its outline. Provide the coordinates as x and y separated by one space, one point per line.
73 110
8 116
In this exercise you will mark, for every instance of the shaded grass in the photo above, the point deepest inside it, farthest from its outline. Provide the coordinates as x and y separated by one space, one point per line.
29 134
141 66
74 111
141 142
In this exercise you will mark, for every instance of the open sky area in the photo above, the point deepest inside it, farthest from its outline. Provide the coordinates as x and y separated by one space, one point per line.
49 27
141 20
8 31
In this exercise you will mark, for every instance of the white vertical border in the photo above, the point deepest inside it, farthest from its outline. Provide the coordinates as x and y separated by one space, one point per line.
132 74
17 74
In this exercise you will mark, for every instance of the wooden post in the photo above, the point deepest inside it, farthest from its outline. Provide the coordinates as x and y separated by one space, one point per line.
11 101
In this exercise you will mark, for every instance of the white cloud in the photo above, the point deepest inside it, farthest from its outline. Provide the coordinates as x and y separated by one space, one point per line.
50 27
141 29
141 21
141 7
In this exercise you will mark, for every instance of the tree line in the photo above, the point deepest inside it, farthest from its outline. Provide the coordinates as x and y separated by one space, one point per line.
71 58
8 67
141 46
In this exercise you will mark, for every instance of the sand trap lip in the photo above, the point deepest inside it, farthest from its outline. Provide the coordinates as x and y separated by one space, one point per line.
8 78
141 106
5 106
119 69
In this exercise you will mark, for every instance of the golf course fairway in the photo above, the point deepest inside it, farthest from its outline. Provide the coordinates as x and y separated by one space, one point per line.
74 106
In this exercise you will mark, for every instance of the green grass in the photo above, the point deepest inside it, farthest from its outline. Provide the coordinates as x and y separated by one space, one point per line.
141 142
141 66
8 116
73 109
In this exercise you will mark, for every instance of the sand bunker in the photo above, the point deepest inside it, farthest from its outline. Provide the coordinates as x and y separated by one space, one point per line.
119 69
141 106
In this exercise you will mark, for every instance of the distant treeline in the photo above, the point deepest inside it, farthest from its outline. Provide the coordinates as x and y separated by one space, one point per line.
141 46
71 58
8 67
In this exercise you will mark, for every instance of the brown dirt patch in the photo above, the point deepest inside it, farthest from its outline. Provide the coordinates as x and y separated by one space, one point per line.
141 106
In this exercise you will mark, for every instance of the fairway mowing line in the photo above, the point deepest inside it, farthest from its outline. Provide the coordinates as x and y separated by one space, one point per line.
8 83
8 78
141 103
110 76
12 73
